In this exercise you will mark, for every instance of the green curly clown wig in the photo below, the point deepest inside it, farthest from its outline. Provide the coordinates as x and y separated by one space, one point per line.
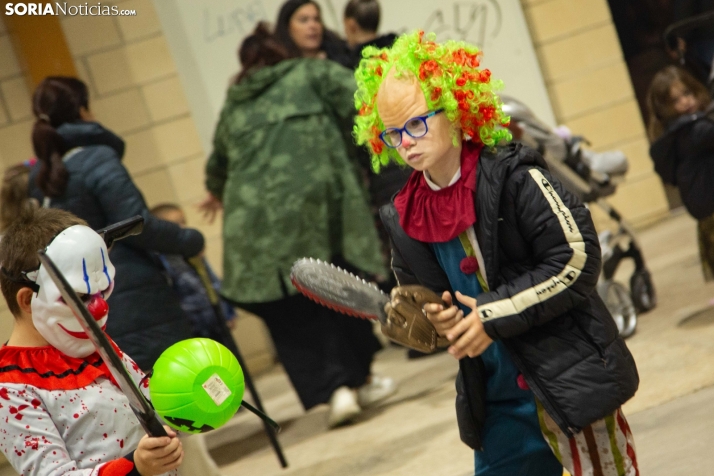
449 76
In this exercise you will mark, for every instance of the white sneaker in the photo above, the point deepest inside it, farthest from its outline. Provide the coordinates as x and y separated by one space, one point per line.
376 390
343 407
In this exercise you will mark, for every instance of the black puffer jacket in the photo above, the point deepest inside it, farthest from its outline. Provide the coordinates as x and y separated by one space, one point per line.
383 41
145 316
542 261
684 157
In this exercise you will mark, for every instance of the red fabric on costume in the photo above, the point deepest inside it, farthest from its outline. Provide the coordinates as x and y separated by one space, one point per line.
118 467
49 369
436 216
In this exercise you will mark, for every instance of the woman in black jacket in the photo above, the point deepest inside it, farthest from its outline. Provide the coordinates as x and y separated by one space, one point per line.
299 28
681 130
79 169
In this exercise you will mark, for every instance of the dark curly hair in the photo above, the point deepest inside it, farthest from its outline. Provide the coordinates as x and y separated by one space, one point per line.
258 50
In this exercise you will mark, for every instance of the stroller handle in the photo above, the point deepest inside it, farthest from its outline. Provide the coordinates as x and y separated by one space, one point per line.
680 28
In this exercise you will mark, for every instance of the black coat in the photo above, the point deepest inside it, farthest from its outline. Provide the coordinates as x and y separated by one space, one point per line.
145 316
684 157
542 261
384 41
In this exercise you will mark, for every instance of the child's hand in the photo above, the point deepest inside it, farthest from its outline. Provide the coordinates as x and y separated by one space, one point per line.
158 455
472 337
443 317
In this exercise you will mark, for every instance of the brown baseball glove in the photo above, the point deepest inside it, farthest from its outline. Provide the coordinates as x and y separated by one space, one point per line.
407 323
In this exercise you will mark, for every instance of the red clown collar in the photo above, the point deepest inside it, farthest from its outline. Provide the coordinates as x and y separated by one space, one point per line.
437 216
48 368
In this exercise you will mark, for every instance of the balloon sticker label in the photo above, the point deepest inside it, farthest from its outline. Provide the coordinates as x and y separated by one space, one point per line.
216 389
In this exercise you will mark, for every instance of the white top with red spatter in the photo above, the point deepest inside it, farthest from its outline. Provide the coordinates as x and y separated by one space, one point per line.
65 416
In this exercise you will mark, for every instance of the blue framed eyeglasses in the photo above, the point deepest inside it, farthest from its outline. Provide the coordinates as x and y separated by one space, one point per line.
416 127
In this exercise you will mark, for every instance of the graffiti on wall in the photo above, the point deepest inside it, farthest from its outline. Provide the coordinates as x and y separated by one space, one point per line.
238 20
476 22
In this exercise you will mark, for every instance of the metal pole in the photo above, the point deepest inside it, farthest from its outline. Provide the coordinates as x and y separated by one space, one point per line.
198 264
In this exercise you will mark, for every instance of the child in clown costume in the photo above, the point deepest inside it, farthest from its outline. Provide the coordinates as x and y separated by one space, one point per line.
543 373
61 412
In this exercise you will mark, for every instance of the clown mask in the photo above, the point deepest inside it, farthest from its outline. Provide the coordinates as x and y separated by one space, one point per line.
401 102
82 257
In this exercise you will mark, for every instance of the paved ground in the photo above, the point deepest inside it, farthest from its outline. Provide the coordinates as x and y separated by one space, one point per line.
414 432
675 438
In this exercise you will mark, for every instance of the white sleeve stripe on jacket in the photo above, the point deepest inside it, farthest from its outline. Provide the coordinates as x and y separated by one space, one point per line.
555 284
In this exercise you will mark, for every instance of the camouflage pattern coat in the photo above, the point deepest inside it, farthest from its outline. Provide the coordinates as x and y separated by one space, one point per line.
284 167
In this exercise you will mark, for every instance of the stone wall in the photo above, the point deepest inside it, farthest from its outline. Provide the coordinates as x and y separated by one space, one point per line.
591 93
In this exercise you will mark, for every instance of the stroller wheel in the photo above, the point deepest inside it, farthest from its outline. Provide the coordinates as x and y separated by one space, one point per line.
620 305
644 296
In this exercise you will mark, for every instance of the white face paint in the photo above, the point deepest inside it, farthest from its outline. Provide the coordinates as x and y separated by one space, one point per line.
82 257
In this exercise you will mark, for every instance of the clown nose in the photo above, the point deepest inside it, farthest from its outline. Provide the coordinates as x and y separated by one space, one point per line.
97 307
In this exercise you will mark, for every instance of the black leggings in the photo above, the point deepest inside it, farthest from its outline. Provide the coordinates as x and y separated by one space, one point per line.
320 349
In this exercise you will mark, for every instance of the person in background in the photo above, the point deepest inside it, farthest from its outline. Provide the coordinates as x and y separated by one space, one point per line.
188 286
79 169
282 172
13 193
361 22
681 130
300 30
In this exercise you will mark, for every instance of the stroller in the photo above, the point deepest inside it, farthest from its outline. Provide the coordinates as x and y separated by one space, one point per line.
592 176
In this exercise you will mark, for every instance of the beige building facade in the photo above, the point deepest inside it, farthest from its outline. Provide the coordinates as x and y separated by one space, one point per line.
135 91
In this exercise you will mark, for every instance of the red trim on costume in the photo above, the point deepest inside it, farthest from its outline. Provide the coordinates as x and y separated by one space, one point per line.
577 468
625 427
49 369
436 216
118 467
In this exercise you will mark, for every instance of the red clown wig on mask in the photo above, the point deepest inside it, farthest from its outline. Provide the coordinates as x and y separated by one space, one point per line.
450 78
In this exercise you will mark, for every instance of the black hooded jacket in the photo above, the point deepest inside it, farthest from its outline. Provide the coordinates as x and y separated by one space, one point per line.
684 157
542 261
145 314
383 41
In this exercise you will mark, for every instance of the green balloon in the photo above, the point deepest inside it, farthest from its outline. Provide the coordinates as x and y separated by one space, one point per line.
197 385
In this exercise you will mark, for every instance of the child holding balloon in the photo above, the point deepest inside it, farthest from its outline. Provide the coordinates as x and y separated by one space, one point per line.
62 411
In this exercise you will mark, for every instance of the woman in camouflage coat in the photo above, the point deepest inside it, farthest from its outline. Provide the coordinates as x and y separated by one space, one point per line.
283 171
